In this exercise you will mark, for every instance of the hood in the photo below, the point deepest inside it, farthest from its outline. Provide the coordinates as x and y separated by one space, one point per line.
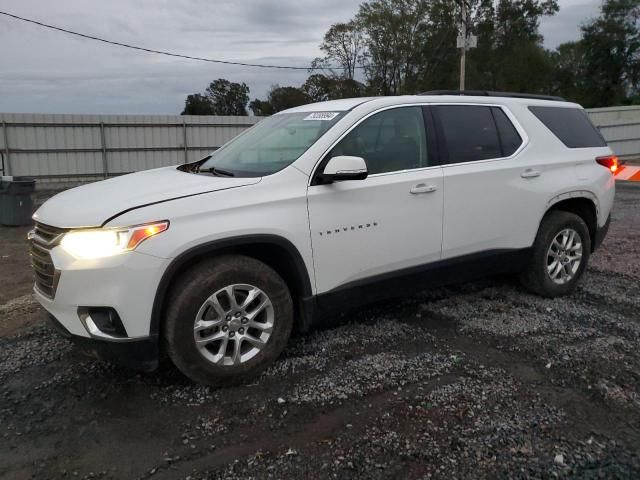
93 204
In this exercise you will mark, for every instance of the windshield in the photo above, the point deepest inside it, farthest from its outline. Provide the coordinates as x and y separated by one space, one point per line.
273 144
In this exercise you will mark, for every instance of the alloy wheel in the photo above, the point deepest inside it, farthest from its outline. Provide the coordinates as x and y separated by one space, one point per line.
564 256
234 324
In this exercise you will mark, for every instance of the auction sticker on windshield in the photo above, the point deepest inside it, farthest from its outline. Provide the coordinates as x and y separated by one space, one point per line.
321 116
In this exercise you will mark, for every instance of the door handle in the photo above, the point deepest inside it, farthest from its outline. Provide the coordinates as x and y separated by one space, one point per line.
423 188
530 173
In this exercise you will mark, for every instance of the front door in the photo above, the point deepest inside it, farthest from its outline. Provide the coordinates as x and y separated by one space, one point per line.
390 221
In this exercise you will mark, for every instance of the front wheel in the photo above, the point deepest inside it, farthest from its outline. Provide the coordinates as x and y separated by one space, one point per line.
228 319
560 255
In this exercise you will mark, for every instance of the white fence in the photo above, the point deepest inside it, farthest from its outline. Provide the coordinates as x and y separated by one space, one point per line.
79 148
620 126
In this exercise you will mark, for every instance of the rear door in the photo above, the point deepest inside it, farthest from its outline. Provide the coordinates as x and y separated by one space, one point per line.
491 200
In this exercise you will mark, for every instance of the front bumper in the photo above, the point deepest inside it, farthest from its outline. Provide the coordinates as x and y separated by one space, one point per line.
127 283
140 354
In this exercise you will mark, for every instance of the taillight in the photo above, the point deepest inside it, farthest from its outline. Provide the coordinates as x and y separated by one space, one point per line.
610 161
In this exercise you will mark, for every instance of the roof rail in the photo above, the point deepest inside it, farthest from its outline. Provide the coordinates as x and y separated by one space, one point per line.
488 93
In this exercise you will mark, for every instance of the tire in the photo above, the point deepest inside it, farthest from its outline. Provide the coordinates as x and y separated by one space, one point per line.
191 303
539 276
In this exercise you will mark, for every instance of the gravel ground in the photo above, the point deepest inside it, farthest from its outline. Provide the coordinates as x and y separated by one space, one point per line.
478 380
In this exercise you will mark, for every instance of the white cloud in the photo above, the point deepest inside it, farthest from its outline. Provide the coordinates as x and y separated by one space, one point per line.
47 71
564 26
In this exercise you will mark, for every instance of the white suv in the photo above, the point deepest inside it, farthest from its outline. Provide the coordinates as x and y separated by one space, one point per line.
318 209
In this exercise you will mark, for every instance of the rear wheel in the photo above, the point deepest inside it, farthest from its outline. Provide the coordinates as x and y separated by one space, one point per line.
560 255
228 318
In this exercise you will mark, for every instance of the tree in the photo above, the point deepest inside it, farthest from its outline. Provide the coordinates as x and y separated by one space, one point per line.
569 78
410 44
603 67
228 98
519 20
611 45
221 97
439 60
282 98
278 99
197 104
343 45
320 88
510 55
317 88
261 108
346 88
394 35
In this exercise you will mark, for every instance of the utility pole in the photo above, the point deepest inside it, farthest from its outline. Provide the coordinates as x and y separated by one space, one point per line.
465 42
463 50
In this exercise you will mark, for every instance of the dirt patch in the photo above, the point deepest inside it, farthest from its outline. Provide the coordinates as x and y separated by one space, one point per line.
16 277
19 313
477 380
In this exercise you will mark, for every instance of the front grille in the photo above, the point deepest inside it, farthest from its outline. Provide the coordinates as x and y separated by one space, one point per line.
43 239
47 235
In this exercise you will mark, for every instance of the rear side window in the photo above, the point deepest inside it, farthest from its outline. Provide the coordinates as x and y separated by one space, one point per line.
570 125
473 132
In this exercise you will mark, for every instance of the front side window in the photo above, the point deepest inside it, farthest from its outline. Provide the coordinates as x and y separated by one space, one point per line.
389 141
273 144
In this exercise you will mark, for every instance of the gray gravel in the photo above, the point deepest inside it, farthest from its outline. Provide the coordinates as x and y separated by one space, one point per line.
481 380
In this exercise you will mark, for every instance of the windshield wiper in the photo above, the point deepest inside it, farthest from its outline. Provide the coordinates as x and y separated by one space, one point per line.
219 172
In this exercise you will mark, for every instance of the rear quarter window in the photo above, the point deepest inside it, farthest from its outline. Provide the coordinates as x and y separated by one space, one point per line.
570 125
509 136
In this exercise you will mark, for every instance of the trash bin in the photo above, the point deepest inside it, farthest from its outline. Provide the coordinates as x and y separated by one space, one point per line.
16 201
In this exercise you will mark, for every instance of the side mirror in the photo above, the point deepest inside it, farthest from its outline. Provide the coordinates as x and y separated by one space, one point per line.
345 167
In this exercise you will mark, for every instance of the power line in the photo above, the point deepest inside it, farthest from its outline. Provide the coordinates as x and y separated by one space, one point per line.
160 52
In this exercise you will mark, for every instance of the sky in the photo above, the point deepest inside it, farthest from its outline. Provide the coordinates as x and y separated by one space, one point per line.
43 71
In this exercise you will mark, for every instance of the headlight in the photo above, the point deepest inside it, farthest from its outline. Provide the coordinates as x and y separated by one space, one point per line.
99 243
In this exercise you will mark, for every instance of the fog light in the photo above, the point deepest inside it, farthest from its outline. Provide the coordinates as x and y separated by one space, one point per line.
102 322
